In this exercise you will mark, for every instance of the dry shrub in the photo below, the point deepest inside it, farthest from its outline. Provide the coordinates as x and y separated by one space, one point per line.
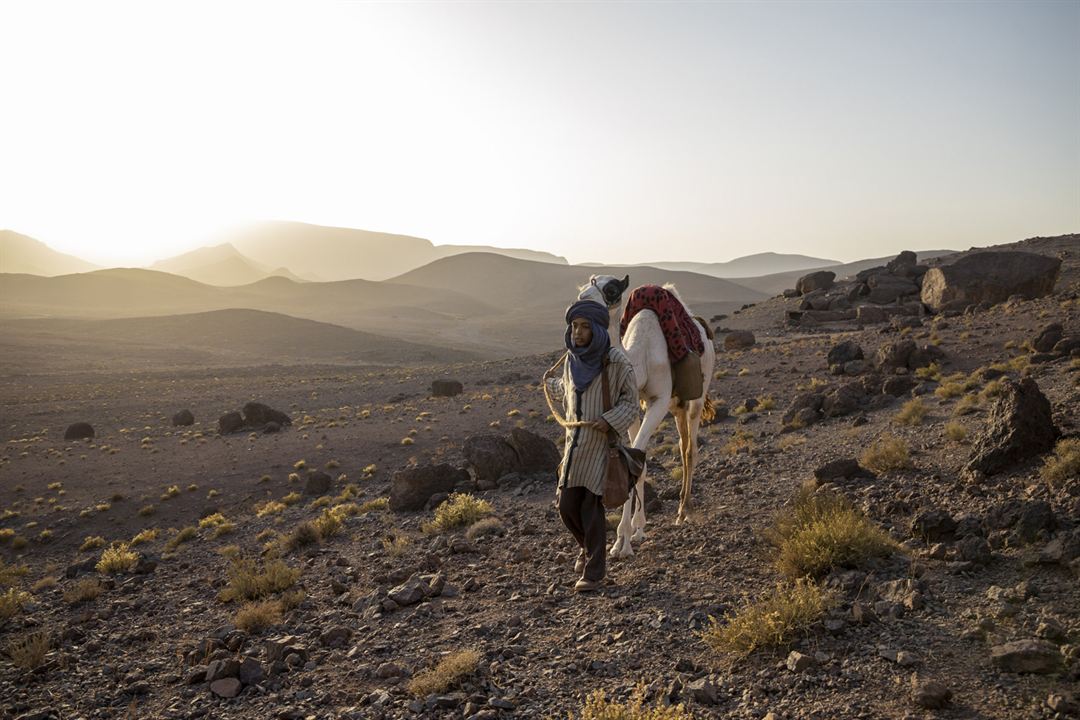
11 603
92 543
457 510
930 372
182 536
822 530
247 581
117 559
448 673
956 432
147 510
254 617
85 590
10 574
911 413
771 621
148 535
292 498
598 707
328 524
1064 465
218 525
995 388
967 405
741 441
395 543
303 535
887 453
487 526
29 651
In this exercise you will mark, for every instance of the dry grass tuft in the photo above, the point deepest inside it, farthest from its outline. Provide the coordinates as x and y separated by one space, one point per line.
117 559
395 543
329 523
11 603
598 707
1064 465
822 530
888 453
182 536
10 574
956 432
85 590
912 413
771 621
148 535
447 674
92 543
967 405
487 526
247 581
458 510
29 651
303 535
741 441
270 507
254 617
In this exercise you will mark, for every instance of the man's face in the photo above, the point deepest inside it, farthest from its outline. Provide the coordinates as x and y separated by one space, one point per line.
580 332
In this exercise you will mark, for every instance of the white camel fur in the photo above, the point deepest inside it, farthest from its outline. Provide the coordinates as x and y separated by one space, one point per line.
646 349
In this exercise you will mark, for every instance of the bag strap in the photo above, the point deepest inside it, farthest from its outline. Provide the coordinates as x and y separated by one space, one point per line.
612 437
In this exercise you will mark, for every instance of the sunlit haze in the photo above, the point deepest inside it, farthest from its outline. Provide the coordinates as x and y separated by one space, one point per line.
601 132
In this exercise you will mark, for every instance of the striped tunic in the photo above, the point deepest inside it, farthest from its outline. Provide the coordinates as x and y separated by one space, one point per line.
584 461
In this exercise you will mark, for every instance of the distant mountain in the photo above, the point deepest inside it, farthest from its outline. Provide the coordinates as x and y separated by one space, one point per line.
23 254
331 253
778 282
211 339
765 263
220 265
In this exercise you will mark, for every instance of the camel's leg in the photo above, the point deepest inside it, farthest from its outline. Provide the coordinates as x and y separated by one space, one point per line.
685 449
654 415
637 523
691 424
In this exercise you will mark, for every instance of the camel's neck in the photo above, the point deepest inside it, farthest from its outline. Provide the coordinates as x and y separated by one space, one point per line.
615 314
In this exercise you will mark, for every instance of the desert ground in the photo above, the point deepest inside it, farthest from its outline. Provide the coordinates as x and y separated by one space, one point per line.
150 643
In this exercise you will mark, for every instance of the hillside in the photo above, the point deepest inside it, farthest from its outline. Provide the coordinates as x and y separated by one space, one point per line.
331 253
766 263
23 254
220 338
220 265
778 282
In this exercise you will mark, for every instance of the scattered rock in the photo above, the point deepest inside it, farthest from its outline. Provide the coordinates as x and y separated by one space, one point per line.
1020 425
1048 337
819 280
79 431
739 340
842 469
446 388
1027 656
929 693
797 662
411 488
933 526
257 414
226 687
318 483
230 422
989 277
183 418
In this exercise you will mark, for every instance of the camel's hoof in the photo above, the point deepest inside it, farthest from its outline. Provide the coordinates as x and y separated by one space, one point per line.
638 536
618 552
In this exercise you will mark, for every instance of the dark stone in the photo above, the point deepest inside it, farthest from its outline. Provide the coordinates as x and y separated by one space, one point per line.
889 288
251 671
1020 426
975 549
79 431
489 457
271 427
929 694
1027 656
893 355
183 418
905 260
819 280
230 422
990 277
842 469
898 385
845 352
411 488
535 453
844 400
446 388
805 408
933 526
318 483
925 355
257 414
739 340
1035 517
864 275
1067 346
1048 337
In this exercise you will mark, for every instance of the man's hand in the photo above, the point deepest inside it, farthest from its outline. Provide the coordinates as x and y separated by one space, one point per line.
602 425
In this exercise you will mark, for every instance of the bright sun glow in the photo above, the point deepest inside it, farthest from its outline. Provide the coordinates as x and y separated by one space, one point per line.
634 132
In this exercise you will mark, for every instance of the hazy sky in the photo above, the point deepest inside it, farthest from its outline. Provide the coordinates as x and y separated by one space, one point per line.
617 132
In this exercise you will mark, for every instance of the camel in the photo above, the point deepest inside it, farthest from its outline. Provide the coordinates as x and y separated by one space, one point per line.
646 348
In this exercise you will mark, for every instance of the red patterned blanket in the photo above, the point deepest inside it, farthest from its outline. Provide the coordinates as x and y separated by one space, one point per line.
680 331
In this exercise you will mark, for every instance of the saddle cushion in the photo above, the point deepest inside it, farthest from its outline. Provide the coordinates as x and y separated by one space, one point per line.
681 333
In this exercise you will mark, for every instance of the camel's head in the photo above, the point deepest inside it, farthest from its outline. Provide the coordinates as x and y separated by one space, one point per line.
605 289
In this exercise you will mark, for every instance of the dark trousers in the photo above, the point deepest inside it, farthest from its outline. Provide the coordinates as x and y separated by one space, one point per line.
583 514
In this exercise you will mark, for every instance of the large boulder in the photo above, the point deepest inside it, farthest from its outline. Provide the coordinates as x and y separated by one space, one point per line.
410 489
894 355
256 415
1020 426
79 431
889 288
183 418
902 263
989 277
535 453
739 340
446 388
844 400
1027 656
318 483
819 280
489 457
1048 337
230 422
844 352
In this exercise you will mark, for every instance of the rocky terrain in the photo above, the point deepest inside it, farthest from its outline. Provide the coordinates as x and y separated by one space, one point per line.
976 616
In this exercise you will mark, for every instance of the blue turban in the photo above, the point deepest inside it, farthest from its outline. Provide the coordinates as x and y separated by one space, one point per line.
587 362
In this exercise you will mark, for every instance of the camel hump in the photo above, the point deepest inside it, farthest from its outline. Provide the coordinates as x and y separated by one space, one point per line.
704 325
